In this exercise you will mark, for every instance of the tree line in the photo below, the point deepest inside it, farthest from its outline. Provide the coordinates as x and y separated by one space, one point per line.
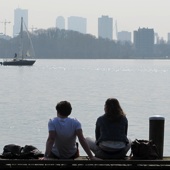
54 43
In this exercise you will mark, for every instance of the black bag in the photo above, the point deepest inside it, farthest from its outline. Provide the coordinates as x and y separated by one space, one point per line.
144 149
30 152
12 151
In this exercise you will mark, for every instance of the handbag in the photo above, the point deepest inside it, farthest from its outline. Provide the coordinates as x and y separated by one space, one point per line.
144 149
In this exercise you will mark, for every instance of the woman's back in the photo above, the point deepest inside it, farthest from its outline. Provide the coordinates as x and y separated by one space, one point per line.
111 132
108 130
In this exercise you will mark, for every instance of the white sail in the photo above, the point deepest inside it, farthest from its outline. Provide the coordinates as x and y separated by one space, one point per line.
25 49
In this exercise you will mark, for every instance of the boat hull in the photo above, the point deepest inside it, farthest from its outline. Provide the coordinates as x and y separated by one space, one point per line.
18 63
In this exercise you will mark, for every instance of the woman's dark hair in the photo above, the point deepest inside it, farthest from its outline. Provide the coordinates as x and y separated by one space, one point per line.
64 108
113 109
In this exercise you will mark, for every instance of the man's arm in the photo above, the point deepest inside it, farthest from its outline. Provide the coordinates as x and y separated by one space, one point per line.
50 142
84 144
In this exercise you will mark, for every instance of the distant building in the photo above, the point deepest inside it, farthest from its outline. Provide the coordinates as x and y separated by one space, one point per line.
168 40
105 27
156 38
18 13
124 36
77 24
60 22
144 42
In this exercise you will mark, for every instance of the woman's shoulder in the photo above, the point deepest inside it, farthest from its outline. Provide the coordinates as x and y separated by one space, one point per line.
124 119
100 117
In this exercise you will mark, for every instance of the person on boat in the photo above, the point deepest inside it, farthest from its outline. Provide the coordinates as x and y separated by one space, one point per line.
111 141
15 56
63 132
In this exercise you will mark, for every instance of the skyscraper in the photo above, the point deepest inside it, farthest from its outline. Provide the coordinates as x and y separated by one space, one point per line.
144 42
60 22
18 13
77 24
168 41
124 36
105 27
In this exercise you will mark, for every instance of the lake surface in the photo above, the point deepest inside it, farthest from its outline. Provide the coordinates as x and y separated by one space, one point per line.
29 95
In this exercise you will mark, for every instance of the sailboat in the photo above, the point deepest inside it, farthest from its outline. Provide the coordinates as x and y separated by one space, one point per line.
20 59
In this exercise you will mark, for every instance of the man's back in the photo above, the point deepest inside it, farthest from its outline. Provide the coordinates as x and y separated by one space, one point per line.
65 128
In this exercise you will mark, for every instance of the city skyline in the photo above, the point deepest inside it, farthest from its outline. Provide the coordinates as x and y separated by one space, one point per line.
129 14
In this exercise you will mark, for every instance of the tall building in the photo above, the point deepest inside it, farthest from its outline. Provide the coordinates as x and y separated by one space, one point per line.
144 42
168 40
105 27
60 22
124 36
77 24
18 13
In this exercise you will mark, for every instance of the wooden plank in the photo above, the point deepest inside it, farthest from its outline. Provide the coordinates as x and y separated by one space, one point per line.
83 162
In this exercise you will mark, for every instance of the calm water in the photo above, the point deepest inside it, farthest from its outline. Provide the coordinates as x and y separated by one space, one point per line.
29 95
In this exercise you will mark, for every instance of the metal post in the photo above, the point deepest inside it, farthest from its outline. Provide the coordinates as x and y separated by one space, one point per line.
156 132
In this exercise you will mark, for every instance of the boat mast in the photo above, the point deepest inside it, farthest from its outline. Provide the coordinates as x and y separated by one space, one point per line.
21 38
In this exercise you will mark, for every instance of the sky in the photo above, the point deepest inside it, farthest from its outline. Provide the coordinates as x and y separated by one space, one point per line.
130 15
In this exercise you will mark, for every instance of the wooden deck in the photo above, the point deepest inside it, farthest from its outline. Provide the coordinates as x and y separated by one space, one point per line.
83 163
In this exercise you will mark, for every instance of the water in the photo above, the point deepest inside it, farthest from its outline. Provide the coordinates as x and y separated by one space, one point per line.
29 95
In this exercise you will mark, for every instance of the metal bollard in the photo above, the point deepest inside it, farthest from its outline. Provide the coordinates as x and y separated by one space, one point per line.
156 132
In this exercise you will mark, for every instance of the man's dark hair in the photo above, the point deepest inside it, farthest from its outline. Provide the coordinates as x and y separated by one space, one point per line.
64 108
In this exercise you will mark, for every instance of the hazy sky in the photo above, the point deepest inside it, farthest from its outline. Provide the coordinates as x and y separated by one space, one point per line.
129 14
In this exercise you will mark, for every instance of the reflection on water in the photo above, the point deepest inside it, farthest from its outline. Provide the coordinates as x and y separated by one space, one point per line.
29 96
